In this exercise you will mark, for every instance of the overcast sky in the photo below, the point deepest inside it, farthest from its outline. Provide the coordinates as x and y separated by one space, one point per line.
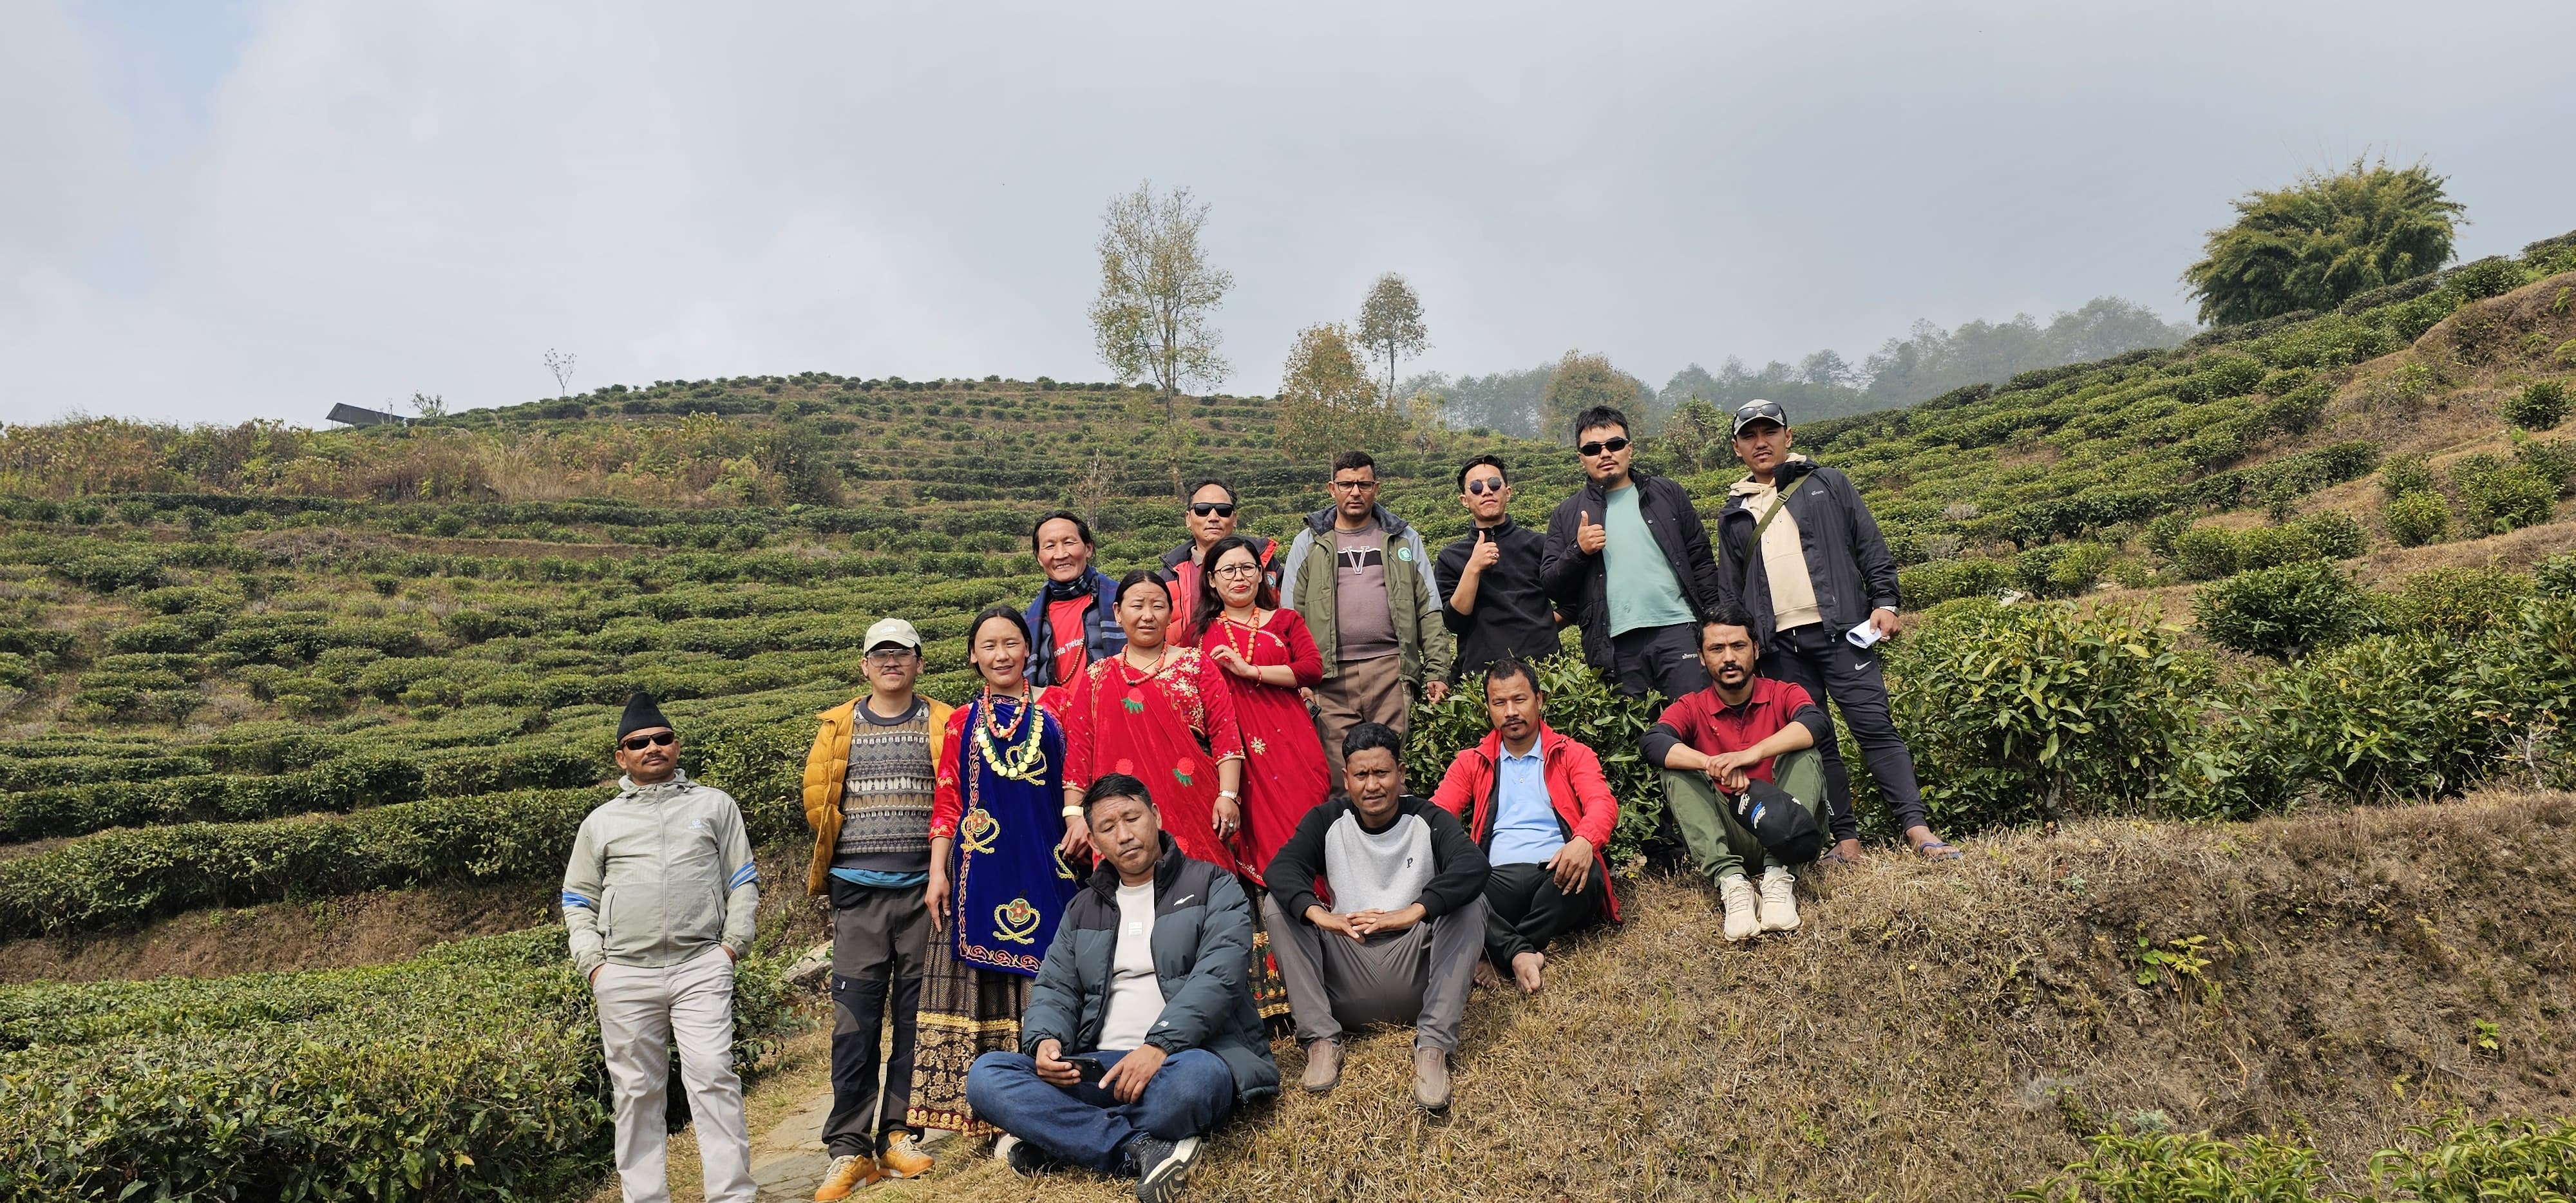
215 211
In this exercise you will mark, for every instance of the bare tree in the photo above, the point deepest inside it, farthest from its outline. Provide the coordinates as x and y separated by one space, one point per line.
1092 489
1391 324
1157 294
560 363
429 405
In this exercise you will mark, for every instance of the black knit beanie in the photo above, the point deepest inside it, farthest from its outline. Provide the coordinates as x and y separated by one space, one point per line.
641 715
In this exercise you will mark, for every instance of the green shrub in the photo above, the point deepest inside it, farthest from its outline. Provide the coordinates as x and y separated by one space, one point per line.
368 779
2553 460
2415 519
2452 603
2405 474
1936 581
2161 1168
2538 407
16 672
471 1072
1583 706
2555 576
2500 498
109 571
2030 711
175 633
2492 276
2060 569
2335 534
2297 410
2389 717
2273 546
2283 611
2204 553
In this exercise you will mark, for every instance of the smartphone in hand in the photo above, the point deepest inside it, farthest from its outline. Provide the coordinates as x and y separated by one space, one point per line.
1090 1068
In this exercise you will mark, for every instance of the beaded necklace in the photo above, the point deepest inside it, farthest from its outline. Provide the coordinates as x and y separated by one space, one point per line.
1023 761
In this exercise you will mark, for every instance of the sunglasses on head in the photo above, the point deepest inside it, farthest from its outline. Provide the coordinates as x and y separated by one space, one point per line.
637 743
1611 445
1486 484
1222 509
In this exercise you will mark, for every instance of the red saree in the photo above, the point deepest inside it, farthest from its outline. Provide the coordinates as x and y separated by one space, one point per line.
1168 728
1283 769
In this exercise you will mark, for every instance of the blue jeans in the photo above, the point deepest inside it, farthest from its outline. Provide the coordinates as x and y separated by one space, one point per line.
1084 1125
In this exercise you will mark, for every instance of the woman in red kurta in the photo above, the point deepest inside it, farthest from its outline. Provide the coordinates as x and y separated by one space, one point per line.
1268 656
1164 715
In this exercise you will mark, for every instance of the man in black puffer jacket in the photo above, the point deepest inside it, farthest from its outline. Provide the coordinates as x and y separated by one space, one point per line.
1140 1034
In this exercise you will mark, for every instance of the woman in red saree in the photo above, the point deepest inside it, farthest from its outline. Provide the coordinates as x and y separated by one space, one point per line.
1164 715
1268 656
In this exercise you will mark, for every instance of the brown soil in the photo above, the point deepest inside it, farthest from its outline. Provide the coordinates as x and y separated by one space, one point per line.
1948 1032
327 933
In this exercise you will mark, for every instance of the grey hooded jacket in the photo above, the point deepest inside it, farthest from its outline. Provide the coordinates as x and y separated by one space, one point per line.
658 874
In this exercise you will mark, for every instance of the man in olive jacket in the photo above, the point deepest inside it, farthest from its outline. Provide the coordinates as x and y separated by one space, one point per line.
1361 579
1140 1034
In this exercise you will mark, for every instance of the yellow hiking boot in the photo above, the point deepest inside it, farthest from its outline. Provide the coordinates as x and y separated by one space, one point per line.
848 1173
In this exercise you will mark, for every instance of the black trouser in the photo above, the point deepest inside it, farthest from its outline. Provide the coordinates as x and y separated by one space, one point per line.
1524 910
1817 659
879 938
1662 659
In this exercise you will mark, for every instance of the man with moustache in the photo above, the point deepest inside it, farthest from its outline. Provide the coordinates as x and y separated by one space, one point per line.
1140 1035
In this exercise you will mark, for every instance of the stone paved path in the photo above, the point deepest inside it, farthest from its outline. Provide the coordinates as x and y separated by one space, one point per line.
788 1161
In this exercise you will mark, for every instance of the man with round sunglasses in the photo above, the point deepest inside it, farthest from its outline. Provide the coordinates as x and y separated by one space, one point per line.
1628 557
1801 554
659 897
1491 597
1210 517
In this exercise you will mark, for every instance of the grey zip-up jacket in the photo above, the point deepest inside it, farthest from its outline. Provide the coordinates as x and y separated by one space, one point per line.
658 874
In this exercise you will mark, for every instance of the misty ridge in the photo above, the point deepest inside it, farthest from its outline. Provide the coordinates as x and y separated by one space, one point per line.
1926 363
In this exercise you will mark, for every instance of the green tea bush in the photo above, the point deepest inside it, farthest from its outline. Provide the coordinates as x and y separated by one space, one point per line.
2389 716
2472 1162
2282 611
471 1072
2405 474
87 768
2454 603
1582 705
2555 576
347 784
2204 553
2273 546
2162 1168
2415 519
2334 534
2553 460
2060 569
2539 406
2030 711
2501 497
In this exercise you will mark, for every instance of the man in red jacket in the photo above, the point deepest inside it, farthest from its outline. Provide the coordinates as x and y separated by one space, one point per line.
1538 804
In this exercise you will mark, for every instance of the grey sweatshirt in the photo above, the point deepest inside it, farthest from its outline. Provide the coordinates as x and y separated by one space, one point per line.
658 874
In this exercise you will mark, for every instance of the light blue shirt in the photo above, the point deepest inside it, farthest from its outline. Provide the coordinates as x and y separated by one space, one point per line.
1526 831
1637 577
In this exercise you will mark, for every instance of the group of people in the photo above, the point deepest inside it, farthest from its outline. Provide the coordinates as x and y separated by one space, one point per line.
1174 820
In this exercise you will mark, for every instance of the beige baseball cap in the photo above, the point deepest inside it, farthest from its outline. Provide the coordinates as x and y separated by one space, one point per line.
891 630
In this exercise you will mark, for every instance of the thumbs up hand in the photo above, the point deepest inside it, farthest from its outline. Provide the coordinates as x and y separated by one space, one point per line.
1591 536
1486 553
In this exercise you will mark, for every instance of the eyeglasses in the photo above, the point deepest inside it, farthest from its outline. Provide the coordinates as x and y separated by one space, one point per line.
1612 446
1222 509
897 656
1355 486
1486 484
1239 571
637 743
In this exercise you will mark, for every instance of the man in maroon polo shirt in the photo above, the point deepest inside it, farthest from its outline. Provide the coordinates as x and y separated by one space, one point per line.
1712 745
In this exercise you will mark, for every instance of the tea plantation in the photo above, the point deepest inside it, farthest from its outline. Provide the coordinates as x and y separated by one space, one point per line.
261 663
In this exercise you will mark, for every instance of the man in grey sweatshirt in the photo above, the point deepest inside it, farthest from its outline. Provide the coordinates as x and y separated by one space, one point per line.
660 896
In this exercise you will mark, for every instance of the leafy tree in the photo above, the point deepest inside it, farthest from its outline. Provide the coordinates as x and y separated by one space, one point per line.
1327 402
1581 381
1391 324
1697 432
1158 293
2323 239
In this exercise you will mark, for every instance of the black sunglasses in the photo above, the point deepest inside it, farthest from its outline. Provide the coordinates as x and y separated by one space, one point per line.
1617 444
1222 509
637 743
1486 484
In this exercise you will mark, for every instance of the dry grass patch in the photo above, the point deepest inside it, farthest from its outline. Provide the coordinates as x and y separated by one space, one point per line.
1947 1032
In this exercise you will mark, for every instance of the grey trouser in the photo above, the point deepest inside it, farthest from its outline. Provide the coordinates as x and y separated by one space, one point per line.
642 1013
1364 691
1662 659
1721 846
879 940
1817 659
1418 976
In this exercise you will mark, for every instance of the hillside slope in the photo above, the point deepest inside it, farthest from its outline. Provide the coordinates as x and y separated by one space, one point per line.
1937 1033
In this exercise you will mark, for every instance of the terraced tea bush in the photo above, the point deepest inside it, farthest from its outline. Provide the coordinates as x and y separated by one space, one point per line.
2282 611
472 1072
2204 553
2415 519
2388 717
1936 581
2539 406
2461 1160
2161 1168
2406 474
2500 497
2453 603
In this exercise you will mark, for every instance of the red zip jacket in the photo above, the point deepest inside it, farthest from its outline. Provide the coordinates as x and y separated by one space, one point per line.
1575 787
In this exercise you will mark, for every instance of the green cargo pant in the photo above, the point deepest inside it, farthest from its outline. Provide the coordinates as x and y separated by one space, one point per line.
1720 844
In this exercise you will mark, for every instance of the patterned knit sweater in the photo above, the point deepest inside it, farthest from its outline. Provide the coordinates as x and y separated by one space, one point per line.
886 797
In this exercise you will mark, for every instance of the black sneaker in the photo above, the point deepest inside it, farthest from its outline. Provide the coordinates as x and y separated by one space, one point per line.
1162 1167
1027 1160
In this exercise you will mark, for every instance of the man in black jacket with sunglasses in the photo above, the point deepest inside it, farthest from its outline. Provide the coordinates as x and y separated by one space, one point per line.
1627 555
1490 594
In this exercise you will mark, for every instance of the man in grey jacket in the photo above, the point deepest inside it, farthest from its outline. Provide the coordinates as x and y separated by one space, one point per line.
660 896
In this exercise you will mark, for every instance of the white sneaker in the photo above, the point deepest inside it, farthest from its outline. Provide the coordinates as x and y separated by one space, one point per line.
1779 900
1742 906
